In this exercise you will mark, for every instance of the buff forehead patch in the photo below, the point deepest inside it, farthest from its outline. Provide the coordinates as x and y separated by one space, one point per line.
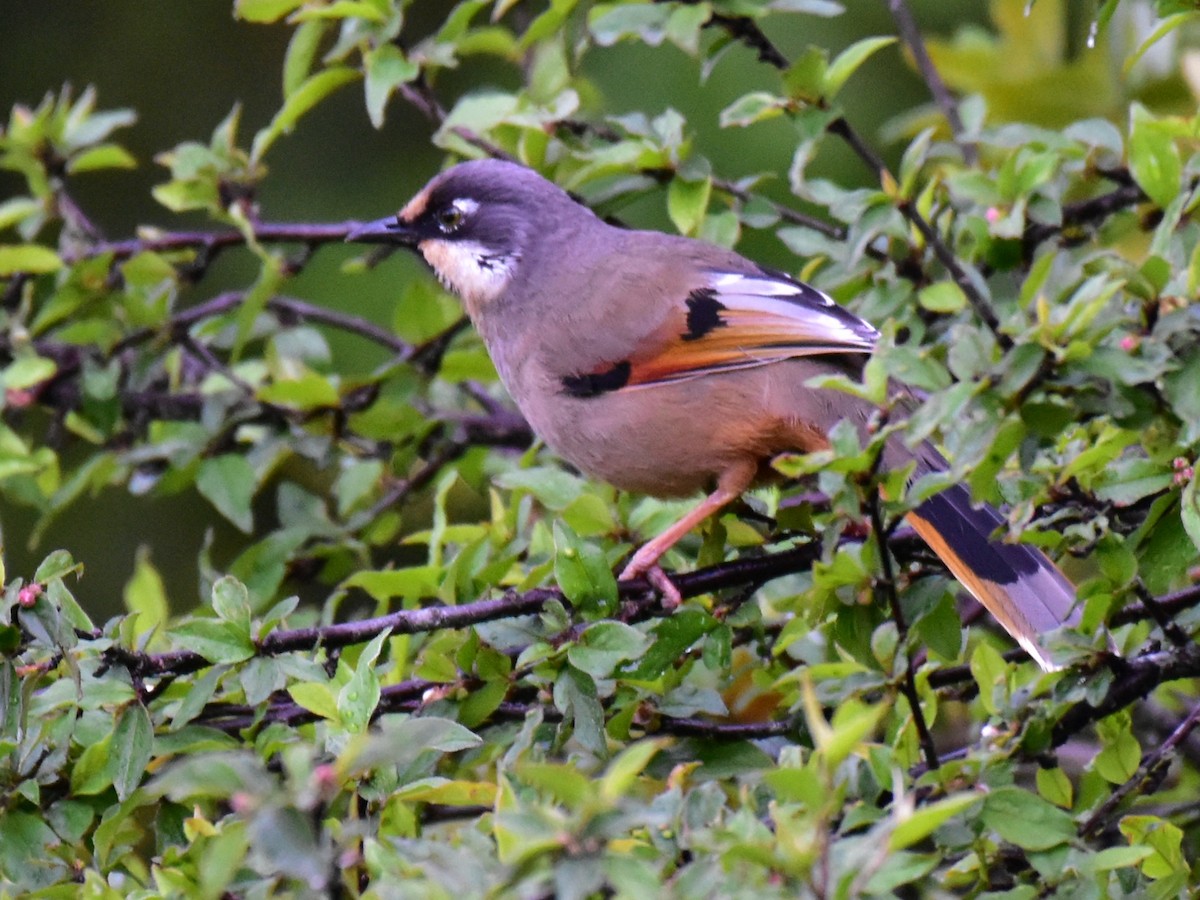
415 207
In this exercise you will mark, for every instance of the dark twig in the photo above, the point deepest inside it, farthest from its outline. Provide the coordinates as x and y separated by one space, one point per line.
886 584
1135 679
213 242
1152 769
906 26
1168 605
1084 212
1170 628
746 30
447 453
307 312
420 96
946 257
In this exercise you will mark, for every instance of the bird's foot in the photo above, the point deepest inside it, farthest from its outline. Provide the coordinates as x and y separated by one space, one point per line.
671 598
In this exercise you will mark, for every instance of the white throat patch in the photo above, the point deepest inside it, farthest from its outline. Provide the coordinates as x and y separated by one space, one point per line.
472 271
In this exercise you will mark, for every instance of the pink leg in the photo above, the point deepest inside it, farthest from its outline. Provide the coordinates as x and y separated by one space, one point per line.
732 484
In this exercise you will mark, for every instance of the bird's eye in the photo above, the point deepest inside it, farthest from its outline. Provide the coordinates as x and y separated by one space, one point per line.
449 218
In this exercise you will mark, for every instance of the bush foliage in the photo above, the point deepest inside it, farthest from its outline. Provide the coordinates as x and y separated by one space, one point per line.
467 702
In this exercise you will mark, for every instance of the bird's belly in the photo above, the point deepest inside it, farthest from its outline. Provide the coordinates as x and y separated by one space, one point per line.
671 440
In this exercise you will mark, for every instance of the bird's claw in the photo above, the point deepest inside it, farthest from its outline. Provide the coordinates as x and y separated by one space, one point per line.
671 598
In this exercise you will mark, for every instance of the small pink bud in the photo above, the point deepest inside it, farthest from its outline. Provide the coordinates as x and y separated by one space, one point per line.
992 215
1130 342
1179 462
241 802
19 398
29 594
325 778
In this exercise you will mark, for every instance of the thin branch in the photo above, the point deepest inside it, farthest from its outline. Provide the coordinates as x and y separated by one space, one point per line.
307 312
213 242
787 213
1152 769
1084 212
1161 617
887 586
1134 680
420 96
746 30
406 486
945 256
1168 605
906 26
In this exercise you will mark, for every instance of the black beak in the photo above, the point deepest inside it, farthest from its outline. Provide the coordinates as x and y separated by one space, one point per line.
383 231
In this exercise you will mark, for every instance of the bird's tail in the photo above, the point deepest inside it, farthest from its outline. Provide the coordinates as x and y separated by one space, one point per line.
1018 584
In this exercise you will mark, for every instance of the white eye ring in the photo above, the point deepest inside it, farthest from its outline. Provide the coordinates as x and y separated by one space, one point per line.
449 218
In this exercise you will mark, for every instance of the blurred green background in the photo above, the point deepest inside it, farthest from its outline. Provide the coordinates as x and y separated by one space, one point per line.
183 64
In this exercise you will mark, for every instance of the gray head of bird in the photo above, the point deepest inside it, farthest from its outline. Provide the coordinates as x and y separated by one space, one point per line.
476 223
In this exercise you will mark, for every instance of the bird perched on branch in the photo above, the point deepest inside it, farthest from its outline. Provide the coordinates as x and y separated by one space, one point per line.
667 366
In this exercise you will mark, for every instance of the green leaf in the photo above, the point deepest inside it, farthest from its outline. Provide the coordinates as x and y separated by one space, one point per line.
1167 25
17 209
990 672
1118 761
852 722
103 156
358 698
23 838
29 259
400 740
755 106
1116 858
1026 820
927 819
1164 838
58 564
305 393
611 22
1055 786
687 202
805 79
129 752
1153 158
231 601
342 9
316 697
145 595
575 697
26 371
301 51
672 637
605 645
411 583
386 69
848 61
227 482
217 641
582 571
623 771
942 297
313 90
264 11
1190 511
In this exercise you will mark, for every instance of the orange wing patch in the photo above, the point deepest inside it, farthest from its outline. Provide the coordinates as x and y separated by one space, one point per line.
744 321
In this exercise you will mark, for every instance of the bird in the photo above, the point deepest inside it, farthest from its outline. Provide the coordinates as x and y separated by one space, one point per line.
668 366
